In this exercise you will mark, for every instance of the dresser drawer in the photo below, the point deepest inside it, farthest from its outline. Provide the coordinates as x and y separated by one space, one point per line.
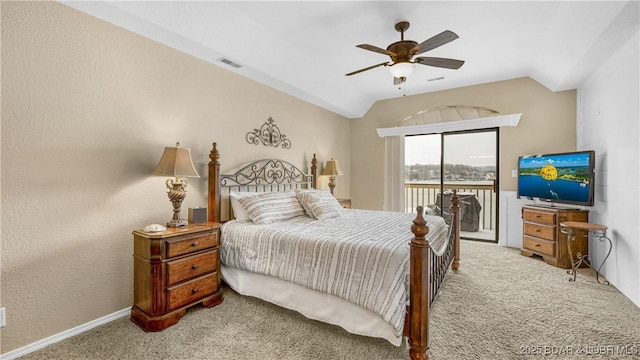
189 245
539 246
540 231
191 291
191 267
539 217
541 235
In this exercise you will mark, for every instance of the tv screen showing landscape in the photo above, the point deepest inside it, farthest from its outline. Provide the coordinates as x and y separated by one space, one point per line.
563 178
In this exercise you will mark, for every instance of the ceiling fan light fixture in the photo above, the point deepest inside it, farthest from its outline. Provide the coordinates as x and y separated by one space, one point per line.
402 52
402 69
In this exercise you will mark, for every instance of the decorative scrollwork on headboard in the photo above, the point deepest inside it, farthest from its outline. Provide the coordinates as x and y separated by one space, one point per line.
269 135
267 172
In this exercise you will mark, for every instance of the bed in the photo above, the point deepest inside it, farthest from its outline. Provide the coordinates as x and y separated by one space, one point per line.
373 273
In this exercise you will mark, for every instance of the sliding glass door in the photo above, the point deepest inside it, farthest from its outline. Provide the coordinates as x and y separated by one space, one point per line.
436 164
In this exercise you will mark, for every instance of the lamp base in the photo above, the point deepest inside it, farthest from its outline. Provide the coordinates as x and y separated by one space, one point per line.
177 192
332 184
177 223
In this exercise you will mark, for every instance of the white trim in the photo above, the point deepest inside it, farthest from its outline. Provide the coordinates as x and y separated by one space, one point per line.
438 128
64 335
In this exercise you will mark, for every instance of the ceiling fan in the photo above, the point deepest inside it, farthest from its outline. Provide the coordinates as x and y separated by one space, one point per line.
403 51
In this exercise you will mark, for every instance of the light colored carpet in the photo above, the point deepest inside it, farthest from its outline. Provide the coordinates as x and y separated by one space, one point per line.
499 305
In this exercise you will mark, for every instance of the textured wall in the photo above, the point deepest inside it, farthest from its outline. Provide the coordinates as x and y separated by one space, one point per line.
87 109
608 122
547 125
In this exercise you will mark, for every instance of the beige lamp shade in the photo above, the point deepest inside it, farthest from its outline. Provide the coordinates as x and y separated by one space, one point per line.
332 168
176 162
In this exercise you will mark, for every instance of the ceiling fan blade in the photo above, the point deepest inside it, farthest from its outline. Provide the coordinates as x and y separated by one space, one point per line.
375 49
434 42
440 62
400 80
367 68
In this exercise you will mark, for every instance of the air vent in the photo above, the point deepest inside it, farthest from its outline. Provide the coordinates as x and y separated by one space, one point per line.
230 63
436 79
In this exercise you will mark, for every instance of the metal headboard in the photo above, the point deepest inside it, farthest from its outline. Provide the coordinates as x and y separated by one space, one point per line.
265 175
268 174
261 175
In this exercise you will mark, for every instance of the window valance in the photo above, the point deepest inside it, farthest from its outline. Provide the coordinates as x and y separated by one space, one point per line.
437 128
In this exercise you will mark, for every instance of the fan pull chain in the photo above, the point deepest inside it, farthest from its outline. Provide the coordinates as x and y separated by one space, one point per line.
402 87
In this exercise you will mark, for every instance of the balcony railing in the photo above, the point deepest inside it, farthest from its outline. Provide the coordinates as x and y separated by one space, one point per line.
425 194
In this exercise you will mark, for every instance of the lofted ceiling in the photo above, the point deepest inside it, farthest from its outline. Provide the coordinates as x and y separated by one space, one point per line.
305 48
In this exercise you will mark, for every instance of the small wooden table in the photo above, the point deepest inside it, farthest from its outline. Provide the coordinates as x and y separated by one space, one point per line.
572 229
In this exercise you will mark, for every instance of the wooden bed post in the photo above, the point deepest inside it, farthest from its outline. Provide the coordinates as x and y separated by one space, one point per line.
314 171
214 186
455 209
419 289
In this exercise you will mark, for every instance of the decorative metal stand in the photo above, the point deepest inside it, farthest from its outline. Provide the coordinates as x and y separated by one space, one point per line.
573 229
269 135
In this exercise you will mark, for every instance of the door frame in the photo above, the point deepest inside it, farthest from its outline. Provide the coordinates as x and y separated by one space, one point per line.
496 187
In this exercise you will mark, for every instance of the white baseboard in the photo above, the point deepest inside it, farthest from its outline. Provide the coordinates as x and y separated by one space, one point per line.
64 335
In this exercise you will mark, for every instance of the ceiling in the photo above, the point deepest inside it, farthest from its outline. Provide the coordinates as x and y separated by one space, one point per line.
305 48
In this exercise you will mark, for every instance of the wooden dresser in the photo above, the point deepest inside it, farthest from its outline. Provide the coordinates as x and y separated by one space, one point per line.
542 236
172 271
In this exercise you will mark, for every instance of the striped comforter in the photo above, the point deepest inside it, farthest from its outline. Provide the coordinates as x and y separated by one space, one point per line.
361 257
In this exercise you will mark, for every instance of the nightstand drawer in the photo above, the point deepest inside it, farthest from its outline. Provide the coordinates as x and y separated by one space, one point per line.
189 245
191 291
191 267
172 271
539 246
540 231
539 217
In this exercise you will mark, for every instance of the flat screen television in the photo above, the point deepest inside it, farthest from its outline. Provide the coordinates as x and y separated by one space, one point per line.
558 178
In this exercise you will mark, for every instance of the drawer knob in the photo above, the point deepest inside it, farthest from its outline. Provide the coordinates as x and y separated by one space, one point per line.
195 243
194 291
537 216
195 267
537 230
537 244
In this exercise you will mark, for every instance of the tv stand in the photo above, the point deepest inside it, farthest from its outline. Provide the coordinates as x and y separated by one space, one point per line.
541 235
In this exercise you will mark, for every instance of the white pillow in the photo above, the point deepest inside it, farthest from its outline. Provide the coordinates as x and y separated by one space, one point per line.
239 211
326 209
270 207
319 204
304 196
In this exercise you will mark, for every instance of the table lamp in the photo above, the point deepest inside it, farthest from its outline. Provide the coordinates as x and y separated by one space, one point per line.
332 169
176 162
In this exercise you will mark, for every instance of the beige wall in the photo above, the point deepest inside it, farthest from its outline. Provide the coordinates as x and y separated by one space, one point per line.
548 124
87 109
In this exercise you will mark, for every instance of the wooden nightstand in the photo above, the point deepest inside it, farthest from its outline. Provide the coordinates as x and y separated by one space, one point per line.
172 271
345 203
